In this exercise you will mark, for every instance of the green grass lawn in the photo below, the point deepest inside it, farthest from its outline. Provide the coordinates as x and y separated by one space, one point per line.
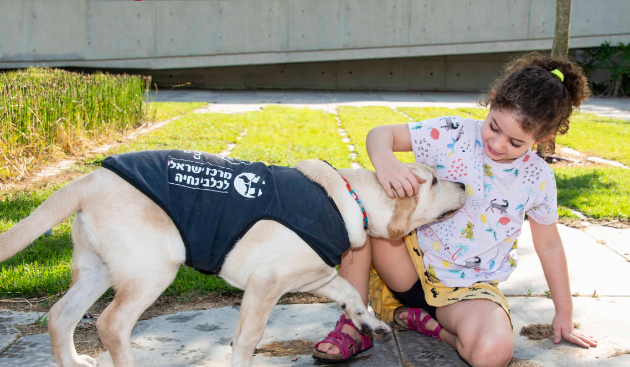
44 266
205 132
602 193
476 113
284 136
162 111
357 122
425 113
601 136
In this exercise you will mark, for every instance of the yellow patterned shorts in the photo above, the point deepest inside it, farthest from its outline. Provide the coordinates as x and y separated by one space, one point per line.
437 294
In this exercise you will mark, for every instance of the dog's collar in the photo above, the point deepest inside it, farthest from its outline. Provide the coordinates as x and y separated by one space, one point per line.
356 198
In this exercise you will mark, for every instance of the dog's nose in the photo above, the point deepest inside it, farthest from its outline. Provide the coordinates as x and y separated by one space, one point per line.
461 186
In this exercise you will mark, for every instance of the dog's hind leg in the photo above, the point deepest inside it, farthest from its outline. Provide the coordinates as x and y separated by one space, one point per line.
262 293
342 292
138 289
90 281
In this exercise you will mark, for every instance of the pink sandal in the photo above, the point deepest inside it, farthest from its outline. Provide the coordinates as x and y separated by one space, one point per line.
346 344
414 322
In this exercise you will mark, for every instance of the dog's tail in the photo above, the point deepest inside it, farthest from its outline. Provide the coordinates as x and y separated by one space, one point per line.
59 206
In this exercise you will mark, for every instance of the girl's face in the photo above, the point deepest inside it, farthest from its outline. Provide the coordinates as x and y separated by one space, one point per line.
503 139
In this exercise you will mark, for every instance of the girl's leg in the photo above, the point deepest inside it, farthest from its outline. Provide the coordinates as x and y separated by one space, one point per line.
355 268
391 259
480 330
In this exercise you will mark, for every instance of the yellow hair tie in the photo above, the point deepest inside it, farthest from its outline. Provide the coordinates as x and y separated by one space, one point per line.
558 73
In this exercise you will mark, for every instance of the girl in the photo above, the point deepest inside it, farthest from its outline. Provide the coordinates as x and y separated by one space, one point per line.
463 258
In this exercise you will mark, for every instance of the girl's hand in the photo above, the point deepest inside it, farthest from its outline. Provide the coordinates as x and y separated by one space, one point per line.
396 175
563 328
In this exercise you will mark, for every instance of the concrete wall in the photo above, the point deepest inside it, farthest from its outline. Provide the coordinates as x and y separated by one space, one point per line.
438 73
154 35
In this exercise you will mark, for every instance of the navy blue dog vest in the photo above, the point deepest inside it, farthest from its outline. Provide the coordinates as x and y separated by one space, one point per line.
214 200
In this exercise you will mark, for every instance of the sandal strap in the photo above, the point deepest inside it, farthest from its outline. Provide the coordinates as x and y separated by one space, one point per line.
436 332
342 341
414 322
413 319
424 322
366 341
343 320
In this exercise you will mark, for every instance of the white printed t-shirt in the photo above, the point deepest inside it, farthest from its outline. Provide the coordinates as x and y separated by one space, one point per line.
478 244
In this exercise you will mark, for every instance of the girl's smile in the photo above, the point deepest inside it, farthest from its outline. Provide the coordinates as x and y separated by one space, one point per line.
492 151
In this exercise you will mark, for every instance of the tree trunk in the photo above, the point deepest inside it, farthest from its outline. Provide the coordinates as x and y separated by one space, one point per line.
563 27
560 48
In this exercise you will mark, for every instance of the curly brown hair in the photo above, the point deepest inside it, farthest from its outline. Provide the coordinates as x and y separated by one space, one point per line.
541 102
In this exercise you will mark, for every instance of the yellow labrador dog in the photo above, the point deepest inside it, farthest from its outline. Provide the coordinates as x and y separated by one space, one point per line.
123 239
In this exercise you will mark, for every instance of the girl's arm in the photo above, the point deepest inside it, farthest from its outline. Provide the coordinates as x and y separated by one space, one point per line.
550 251
381 143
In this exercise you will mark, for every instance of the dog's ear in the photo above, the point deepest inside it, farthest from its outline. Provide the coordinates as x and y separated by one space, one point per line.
398 225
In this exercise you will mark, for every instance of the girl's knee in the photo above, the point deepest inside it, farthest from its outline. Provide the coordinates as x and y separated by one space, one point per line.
487 354
490 350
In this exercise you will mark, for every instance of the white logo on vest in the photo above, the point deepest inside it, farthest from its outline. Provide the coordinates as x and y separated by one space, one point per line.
247 183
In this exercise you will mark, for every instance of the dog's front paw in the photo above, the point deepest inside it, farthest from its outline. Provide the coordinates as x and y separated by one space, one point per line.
383 332
370 325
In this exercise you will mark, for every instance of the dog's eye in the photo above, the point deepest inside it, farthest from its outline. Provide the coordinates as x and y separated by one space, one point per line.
434 182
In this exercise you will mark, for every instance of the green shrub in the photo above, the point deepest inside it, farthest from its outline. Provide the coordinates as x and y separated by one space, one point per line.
614 59
48 111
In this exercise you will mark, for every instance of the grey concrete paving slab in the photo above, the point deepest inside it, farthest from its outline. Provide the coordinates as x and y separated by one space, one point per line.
31 350
617 239
618 108
607 162
592 266
8 333
604 318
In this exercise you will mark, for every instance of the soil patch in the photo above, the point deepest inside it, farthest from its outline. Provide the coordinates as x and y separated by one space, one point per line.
164 305
31 182
30 329
288 348
540 331
619 352
579 223
518 362
559 158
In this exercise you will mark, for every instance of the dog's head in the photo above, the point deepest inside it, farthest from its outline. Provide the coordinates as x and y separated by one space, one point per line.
436 200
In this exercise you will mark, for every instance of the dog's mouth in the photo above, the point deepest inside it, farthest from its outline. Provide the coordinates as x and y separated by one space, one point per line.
447 214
